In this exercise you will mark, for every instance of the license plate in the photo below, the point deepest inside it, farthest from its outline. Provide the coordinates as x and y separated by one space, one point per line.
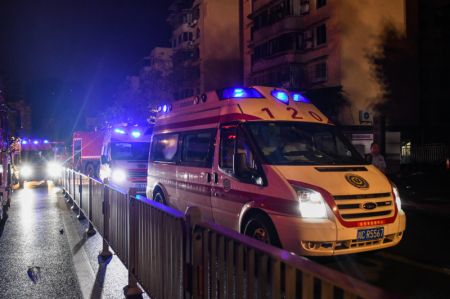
370 234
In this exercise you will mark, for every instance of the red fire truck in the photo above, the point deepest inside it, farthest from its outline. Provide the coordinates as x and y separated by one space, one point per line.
86 151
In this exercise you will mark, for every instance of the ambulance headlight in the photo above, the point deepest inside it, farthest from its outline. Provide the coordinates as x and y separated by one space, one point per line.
398 200
26 171
119 176
311 203
54 169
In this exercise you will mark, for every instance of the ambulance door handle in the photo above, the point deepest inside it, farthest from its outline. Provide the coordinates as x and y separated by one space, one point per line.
215 178
208 177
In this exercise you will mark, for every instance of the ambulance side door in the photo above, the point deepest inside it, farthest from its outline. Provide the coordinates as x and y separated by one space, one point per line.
194 170
233 186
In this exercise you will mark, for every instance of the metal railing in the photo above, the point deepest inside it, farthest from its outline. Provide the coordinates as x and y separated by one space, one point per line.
175 255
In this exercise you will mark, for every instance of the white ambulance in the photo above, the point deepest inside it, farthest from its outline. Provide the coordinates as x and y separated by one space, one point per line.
267 163
123 160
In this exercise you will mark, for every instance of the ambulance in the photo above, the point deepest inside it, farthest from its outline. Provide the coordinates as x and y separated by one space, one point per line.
124 155
266 162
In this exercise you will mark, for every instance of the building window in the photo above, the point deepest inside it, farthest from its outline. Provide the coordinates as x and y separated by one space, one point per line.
320 3
321 35
274 14
320 72
285 42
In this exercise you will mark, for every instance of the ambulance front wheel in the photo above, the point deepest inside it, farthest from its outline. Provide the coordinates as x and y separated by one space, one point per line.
260 227
159 197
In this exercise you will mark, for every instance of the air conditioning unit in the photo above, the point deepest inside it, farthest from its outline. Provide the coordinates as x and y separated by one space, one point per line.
365 117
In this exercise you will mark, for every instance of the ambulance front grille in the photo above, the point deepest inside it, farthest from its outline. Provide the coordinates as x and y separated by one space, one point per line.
137 173
365 206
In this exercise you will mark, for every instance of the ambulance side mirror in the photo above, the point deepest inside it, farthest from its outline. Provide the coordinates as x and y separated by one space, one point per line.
244 173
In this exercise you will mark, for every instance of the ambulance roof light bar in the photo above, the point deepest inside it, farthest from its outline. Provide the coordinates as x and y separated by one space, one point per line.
119 131
239 92
136 133
281 95
297 97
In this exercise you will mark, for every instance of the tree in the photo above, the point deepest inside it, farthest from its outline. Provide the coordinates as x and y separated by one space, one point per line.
395 67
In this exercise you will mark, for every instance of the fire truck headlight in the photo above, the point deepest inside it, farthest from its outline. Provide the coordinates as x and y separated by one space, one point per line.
26 171
398 200
54 169
311 203
119 176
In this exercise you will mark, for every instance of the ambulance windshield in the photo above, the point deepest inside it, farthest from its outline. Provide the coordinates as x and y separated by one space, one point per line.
297 143
131 151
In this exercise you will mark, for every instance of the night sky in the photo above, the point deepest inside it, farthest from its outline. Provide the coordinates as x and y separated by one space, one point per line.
67 58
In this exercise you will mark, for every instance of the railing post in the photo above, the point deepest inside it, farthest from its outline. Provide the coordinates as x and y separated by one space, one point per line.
63 182
132 289
90 231
68 197
80 215
105 253
194 255
74 189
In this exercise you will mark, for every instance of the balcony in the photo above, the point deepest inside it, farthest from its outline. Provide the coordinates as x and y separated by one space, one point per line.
288 24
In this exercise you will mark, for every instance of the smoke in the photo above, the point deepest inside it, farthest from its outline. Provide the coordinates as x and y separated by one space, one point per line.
362 25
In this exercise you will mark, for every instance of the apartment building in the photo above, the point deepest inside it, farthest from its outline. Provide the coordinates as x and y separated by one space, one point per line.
207 45
321 47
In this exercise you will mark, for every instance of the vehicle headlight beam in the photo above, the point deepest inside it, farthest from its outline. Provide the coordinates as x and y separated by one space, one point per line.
311 203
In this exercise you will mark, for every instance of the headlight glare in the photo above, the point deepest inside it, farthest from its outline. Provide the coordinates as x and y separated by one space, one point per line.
26 171
54 169
398 200
119 176
311 203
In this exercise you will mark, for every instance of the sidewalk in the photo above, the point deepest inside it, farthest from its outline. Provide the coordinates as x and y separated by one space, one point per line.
44 252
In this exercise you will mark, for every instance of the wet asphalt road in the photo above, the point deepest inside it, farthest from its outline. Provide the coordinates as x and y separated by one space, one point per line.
419 267
45 253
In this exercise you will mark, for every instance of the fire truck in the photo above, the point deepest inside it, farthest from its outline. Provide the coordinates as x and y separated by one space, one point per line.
8 147
86 151
40 160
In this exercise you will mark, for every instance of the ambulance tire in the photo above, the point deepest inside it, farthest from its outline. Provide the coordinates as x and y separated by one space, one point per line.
159 197
260 227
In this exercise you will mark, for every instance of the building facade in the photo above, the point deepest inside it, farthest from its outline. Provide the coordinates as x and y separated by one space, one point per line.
207 45
321 47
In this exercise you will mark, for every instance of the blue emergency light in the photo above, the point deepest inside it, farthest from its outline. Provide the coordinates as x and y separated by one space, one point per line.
239 92
119 131
36 142
281 96
136 134
24 142
299 98
46 141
